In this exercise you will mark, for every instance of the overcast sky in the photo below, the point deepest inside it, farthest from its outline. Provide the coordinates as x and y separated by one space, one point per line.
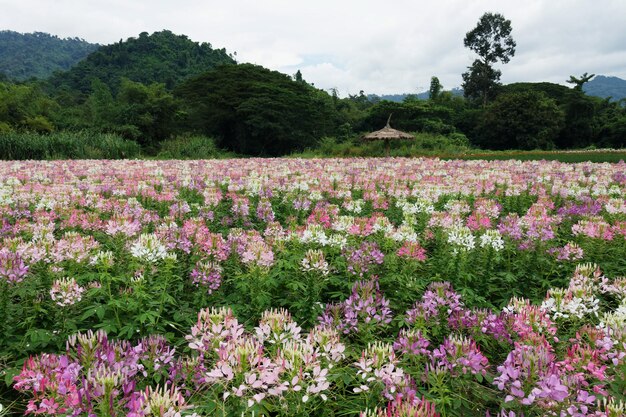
355 45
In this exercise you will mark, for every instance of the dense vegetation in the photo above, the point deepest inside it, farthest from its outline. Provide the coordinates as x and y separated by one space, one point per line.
39 55
255 111
158 90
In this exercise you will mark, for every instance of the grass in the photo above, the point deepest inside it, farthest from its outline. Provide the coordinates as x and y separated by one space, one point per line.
601 155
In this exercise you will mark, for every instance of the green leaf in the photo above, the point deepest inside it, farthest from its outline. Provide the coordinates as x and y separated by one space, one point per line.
88 313
9 373
100 311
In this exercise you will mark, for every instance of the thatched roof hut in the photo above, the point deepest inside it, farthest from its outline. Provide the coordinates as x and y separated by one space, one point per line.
387 133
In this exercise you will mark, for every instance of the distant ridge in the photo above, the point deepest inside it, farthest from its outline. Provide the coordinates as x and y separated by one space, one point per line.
398 98
604 86
600 86
39 54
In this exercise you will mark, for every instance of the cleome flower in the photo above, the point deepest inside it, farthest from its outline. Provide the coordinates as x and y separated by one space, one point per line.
148 248
66 292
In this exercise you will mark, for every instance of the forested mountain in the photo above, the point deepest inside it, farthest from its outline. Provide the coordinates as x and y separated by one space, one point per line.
603 86
38 54
162 57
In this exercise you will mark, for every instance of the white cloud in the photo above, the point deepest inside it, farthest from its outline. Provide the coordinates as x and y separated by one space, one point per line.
356 45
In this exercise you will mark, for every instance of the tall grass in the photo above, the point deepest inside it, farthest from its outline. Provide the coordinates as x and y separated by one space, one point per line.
192 147
66 145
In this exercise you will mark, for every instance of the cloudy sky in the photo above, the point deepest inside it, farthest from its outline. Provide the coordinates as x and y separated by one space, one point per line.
352 45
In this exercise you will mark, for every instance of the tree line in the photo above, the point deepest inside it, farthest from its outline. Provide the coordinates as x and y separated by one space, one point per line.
158 87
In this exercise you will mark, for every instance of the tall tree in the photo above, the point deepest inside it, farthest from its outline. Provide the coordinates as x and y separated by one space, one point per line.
481 82
491 39
435 89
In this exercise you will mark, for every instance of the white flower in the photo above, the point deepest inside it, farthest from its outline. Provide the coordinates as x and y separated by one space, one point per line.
404 233
354 206
314 261
148 248
462 238
492 238
343 223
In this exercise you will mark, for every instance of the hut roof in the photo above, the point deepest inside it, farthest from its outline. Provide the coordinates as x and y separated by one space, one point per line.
388 132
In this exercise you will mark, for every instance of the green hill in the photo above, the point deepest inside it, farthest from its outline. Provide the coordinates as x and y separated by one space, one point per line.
162 57
38 54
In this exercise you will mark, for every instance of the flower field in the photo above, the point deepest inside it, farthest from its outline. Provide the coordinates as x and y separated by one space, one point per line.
334 287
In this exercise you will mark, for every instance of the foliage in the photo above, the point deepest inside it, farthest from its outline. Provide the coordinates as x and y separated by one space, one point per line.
588 120
65 145
156 87
252 110
521 121
25 108
481 82
491 39
412 115
38 55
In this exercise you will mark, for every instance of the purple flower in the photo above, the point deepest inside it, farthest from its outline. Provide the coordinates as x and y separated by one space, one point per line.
460 355
12 266
207 274
438 300
411 342
361 258
365 307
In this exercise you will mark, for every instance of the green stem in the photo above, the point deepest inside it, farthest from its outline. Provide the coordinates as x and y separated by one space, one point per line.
110 294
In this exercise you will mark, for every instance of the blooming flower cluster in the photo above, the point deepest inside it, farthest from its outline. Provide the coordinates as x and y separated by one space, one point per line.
360 259
314 261
273 363
279 365
208 274
366 308
412 250
66 292
579 299
148 248
12 266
